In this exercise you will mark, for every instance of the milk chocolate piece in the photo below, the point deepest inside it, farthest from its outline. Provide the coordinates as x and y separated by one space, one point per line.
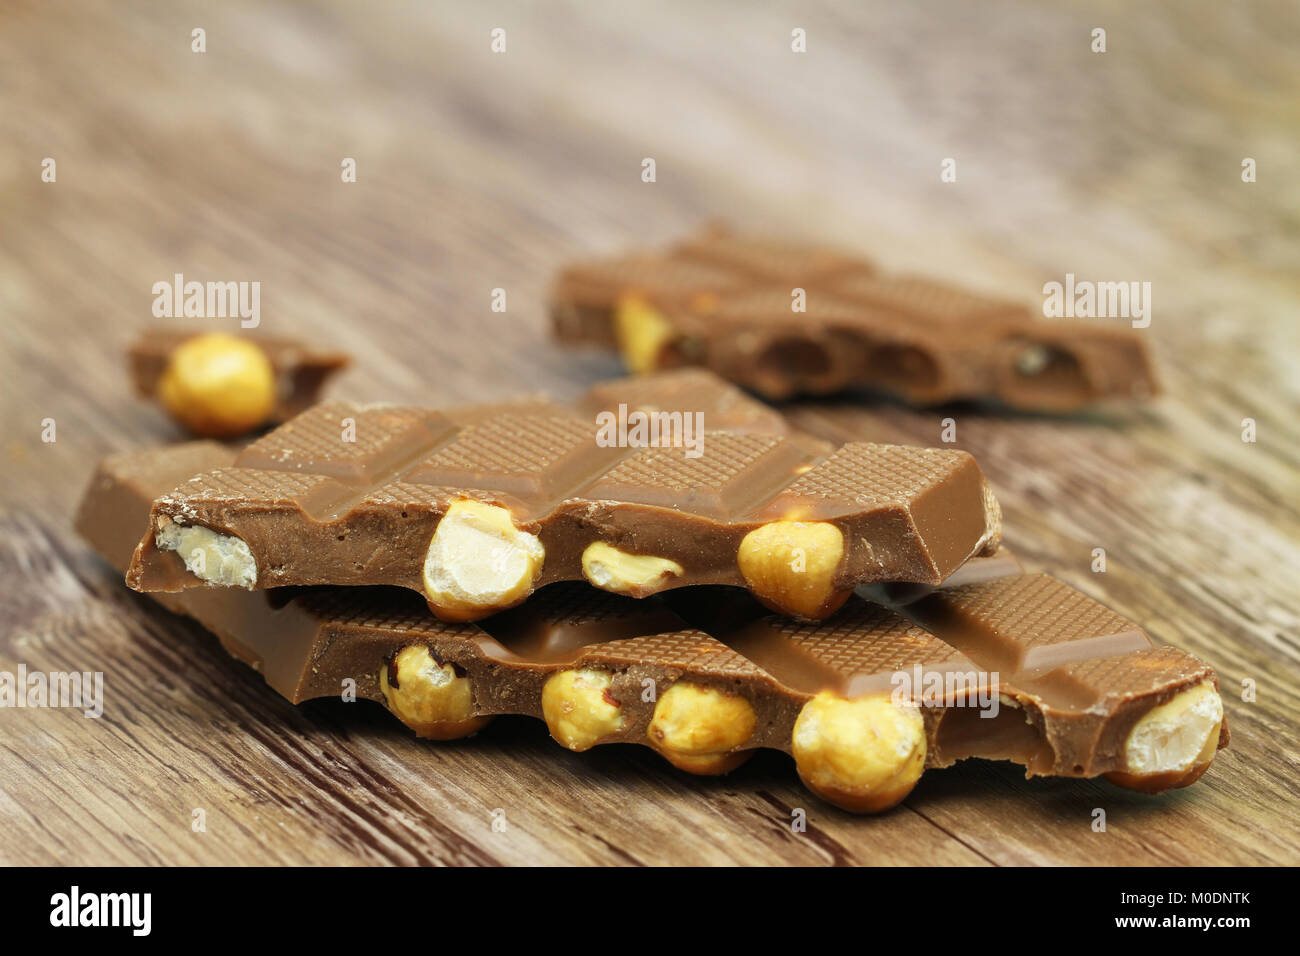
353 495
1071 680
301 370
726 302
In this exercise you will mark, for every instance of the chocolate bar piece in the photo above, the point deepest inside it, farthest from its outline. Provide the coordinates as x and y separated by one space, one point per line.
697 390
476 513
785 319
995 664
301 370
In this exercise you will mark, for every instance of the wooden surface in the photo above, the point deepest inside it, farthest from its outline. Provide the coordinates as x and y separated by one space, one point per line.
479 170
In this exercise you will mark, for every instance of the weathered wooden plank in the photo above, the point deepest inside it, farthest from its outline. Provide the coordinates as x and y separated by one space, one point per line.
479 171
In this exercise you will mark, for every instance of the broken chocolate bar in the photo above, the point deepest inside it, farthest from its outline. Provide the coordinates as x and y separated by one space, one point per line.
477 512
785 319
300 369
995 664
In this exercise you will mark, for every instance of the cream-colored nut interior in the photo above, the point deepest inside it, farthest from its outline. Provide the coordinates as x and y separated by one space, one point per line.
864 754
429 697
578 708
1178 734
642 332
610 569
209 555
694 720
478 561
791 566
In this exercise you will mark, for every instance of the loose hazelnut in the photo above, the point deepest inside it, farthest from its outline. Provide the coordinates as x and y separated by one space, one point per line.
429 697
478 562
1174 743
218 386
698 728
634 574
863 755
790 566
642 332
579 709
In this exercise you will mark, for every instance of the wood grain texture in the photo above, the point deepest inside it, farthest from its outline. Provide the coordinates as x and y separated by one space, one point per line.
479 171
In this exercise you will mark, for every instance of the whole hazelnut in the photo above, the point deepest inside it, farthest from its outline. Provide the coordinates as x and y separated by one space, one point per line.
579 709
863 755
218 386
429 696
701 729
790 566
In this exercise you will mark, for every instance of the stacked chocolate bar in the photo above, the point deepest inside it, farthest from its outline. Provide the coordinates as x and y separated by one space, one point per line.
665 562
784 319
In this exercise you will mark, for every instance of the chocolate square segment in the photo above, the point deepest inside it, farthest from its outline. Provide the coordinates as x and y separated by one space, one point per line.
532 457
927 303
355 444
1029 622
856 652
774 260
730 475
654 274
867 475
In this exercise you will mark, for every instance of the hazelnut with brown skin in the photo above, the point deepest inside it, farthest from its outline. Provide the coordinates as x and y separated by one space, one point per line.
429 697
